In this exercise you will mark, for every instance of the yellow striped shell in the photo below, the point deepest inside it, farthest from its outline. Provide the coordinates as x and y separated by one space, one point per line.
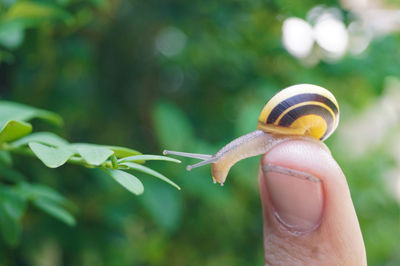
302 109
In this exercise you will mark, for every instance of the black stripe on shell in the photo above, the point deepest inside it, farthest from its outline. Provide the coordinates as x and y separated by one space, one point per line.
300 98
311 109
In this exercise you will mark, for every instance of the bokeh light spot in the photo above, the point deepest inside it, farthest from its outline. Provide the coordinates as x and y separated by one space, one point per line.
297 37
170 41
331 35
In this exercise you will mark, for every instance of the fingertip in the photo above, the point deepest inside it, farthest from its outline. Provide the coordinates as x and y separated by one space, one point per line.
305 155
304 212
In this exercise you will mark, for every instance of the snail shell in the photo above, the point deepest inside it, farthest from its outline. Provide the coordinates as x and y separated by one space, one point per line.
302 109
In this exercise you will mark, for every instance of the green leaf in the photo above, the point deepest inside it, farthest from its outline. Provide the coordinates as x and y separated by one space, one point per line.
55 210
10 174
48 116
46 199
122 152
12 207
17 111
5 158
31 13
93 154
13 130
150 171
9 226
38 191
147 157
128 181
47 138
51 157
13 202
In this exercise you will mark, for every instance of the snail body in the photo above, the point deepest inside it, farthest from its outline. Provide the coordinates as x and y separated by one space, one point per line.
299 110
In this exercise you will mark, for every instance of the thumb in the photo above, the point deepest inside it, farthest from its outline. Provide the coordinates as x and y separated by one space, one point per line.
309 217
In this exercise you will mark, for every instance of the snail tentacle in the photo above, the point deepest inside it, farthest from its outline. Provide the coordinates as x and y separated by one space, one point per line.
208 161
189 155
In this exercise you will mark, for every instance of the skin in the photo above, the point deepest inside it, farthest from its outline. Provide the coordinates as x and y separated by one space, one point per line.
335 238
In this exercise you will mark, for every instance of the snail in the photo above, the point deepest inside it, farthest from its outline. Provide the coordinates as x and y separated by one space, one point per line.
296 111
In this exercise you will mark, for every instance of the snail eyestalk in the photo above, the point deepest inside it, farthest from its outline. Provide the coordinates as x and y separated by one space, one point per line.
205 162
188 155
207 159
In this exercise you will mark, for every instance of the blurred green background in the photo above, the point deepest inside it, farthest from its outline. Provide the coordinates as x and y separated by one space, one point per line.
191 76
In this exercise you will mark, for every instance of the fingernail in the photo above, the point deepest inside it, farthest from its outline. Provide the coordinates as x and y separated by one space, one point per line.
296 197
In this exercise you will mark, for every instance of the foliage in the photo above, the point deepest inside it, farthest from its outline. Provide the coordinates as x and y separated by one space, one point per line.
54 152
179 75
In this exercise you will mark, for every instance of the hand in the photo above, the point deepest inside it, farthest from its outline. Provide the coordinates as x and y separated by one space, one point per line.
309 217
